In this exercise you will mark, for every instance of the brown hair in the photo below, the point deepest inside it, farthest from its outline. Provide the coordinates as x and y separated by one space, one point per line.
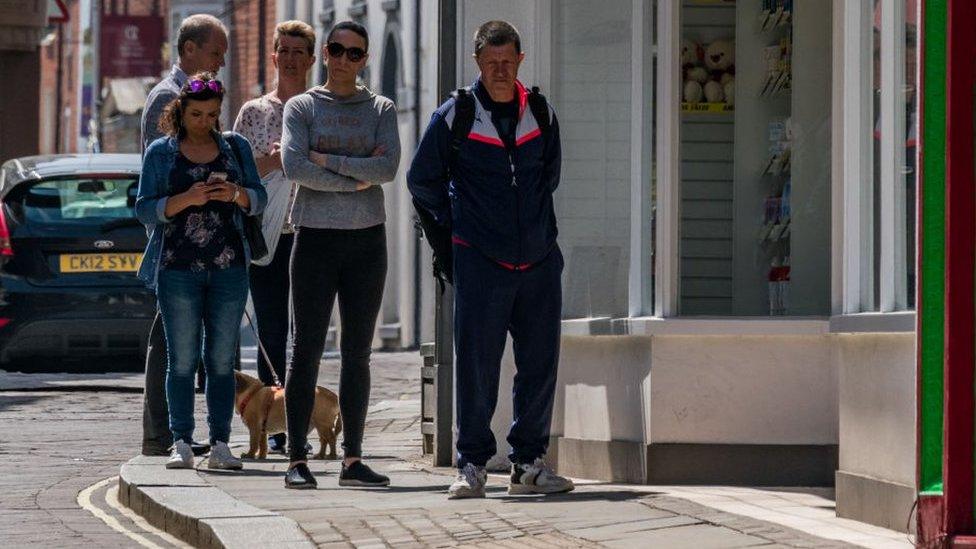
171 122
298 29
496 33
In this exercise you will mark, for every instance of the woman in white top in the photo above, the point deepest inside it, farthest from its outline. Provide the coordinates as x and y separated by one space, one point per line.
260 122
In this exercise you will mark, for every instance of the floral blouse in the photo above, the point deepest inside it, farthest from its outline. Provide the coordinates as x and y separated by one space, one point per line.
260 123
201 238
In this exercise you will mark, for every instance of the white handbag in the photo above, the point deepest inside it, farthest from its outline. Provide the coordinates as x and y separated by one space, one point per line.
275 213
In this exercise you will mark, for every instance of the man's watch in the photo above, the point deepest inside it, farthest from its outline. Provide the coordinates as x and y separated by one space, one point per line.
237 193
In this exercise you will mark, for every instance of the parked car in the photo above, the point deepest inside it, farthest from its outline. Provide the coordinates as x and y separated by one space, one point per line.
70 246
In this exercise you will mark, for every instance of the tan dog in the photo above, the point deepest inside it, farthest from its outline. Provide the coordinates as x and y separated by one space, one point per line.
263 411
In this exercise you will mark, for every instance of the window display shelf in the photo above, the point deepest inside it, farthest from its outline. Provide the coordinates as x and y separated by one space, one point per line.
707 108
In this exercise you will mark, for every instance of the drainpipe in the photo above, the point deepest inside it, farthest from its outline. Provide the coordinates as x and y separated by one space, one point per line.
57 93
262 23
416 141
444 300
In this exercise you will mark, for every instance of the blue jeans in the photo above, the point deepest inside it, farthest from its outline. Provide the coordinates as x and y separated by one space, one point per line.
201 310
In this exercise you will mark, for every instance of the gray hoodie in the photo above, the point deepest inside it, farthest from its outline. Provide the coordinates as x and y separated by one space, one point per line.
348 130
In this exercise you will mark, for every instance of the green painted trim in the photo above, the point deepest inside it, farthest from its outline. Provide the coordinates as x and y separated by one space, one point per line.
932 315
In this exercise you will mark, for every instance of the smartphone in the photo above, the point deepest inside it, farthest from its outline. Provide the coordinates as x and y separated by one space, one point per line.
216 177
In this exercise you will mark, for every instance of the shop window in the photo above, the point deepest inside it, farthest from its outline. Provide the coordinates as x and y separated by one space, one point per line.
755 188
591 90
895 108
908 179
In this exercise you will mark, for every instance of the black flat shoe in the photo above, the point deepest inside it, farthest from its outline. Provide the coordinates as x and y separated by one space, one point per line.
300 478
359 474
199 448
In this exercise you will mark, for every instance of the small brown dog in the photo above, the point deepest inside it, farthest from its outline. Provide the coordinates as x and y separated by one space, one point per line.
263 411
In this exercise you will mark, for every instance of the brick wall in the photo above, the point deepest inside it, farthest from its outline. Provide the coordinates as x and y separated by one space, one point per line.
67 36
244 55
18 111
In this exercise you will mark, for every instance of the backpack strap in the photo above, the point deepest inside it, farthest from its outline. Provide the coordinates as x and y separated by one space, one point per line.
540 110
464 108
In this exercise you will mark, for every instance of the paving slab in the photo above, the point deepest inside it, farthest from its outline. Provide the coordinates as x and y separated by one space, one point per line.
415 512
257 532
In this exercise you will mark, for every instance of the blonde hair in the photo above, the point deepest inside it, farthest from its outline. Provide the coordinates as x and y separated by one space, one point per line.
298 29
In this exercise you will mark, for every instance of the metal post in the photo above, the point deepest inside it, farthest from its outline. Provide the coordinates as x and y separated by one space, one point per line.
94 120
444 305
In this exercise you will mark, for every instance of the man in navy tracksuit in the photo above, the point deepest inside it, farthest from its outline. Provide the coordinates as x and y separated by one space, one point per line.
494 190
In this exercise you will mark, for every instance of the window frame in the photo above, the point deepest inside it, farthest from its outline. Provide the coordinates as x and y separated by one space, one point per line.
855 293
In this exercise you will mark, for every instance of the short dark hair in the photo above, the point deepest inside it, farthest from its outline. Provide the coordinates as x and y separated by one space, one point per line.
197 29
496 33
350 26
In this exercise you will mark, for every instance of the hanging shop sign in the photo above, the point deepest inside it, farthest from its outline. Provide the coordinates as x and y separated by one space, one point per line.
131 46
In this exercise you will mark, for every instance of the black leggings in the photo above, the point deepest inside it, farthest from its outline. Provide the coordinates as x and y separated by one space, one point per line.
324 263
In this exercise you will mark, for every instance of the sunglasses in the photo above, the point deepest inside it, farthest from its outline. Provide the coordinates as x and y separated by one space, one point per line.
197 86
336 50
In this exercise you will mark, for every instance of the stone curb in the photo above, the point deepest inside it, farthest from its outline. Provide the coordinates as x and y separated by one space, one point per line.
185 505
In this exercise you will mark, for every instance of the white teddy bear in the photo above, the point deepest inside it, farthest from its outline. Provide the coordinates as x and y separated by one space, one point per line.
720 62
695 75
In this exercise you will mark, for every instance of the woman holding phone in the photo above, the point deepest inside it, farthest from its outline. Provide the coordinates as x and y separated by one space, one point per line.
339 144
196 186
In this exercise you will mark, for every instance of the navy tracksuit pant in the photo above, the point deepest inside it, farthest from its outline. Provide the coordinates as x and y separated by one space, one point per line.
489 302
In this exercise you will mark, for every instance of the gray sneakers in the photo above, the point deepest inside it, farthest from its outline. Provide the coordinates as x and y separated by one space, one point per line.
470 483
221 458
180 457
537 478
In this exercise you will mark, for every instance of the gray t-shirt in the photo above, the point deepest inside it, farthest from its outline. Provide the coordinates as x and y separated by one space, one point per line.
161 95
348 130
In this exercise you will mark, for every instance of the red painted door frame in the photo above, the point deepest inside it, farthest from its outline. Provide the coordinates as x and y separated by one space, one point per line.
947 518
960 307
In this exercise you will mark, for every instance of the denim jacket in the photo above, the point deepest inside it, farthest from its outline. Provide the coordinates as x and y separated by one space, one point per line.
154 192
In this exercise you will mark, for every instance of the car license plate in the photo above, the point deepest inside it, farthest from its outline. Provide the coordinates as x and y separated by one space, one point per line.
95 263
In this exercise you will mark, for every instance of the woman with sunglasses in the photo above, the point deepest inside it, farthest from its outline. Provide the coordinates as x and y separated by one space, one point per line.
196 186
339 144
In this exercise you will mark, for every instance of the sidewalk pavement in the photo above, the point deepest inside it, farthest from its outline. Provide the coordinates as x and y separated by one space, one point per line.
251 507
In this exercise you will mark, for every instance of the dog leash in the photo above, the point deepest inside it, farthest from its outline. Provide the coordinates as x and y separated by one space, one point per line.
261 348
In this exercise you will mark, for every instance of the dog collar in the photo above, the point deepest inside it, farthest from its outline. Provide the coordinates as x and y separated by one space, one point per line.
247 400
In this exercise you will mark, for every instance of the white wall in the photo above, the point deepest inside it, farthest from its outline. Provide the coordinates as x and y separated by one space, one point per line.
590 88
743 390
697 389
604 383
877 405
522 14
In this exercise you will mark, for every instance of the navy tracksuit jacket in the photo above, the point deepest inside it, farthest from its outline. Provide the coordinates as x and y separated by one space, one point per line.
497 198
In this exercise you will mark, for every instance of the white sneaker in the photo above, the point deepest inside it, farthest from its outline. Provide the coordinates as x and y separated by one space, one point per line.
180 456
537 478
470 483
221 458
